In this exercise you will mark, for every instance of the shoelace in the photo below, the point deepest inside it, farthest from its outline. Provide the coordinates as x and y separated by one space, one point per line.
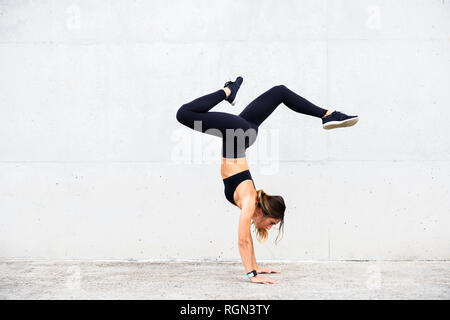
339 115
227 83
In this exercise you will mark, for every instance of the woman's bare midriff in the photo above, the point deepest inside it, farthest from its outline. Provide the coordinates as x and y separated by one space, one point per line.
246 187
230 167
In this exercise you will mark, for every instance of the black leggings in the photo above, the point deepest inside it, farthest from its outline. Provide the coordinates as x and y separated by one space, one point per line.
242 128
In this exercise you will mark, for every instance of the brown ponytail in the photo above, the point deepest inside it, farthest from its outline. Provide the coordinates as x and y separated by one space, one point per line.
272 207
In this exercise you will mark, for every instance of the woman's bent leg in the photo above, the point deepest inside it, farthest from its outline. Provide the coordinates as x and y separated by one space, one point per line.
192 110
260 108
233 129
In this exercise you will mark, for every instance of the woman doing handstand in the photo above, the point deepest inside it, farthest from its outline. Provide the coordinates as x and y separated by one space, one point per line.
238 132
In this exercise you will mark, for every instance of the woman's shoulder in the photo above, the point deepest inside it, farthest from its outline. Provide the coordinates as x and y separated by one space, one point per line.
245 192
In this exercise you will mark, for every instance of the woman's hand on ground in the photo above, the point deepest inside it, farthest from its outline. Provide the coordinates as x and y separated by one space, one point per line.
266 270
263 280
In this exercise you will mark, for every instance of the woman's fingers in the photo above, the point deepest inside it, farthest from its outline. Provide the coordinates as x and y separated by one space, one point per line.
267 270
273 271
271 281
263 280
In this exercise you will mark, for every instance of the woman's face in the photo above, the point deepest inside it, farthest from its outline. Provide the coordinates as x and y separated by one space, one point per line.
262 222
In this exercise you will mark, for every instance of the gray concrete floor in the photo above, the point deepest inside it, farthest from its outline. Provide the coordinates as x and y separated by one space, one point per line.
222 280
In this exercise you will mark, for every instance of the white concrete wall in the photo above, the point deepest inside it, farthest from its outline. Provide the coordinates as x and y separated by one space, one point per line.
94 165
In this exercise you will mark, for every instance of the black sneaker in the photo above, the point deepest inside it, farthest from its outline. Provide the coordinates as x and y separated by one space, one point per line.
234 87
338 119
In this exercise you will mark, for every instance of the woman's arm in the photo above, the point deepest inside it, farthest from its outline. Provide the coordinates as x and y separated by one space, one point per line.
245 243
253 256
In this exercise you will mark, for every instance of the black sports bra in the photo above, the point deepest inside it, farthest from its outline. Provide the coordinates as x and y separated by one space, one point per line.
233 181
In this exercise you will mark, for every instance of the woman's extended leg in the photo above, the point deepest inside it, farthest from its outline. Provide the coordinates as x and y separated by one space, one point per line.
260 108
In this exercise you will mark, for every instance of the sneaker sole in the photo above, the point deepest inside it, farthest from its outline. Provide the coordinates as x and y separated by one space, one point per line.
340 124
